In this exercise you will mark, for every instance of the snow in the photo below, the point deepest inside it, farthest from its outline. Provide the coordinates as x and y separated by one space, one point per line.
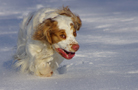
108 54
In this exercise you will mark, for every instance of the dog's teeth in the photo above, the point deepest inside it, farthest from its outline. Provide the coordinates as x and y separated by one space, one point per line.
57 64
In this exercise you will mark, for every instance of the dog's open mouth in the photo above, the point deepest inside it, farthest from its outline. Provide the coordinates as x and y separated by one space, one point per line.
65 54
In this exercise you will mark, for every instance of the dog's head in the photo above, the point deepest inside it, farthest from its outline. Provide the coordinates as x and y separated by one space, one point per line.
60 32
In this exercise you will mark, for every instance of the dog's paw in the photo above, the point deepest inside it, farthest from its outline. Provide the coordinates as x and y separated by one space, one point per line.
46 75
45 70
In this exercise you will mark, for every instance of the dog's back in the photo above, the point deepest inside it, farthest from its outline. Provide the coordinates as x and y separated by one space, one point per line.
22 37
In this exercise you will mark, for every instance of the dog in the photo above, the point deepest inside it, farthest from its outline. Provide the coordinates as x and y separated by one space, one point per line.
45 38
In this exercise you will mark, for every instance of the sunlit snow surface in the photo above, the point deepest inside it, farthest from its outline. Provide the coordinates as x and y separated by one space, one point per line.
108 54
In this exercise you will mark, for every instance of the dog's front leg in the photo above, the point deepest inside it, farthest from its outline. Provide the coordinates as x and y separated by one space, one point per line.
44 69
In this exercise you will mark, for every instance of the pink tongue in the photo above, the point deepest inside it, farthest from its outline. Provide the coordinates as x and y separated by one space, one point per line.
65 55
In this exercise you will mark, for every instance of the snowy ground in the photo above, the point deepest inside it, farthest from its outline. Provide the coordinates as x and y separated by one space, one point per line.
107 59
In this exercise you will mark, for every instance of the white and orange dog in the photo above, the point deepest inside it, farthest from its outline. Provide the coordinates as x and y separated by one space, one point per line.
45 38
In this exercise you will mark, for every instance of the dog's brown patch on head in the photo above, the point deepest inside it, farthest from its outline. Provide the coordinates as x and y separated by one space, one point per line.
75 18
43 30
48 31
58 35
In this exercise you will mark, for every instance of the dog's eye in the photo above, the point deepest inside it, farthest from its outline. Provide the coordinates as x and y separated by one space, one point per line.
63 36
75 34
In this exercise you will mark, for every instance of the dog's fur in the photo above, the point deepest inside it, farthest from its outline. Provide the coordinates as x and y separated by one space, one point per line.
46 37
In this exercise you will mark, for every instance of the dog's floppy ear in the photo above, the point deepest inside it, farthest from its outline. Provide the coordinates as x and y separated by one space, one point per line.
77 23
43 31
